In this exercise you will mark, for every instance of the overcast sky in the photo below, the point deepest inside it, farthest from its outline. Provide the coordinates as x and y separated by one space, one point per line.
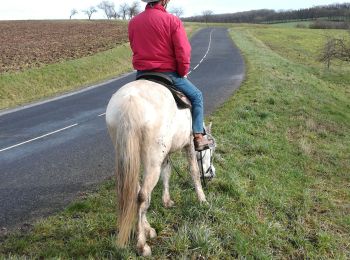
60 9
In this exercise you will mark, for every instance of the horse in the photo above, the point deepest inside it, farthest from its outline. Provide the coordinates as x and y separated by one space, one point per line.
146 126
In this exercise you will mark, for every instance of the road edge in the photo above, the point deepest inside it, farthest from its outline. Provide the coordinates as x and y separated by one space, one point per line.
61 96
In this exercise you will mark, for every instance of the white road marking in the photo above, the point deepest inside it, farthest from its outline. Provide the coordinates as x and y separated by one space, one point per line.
205 55
102 114
39 137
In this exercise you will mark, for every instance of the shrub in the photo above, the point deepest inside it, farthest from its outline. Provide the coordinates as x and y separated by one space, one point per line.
301 25
321 24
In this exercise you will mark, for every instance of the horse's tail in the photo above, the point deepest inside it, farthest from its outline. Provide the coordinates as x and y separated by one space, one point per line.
127 145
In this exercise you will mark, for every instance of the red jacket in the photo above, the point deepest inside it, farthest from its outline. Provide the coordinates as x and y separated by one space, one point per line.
159 42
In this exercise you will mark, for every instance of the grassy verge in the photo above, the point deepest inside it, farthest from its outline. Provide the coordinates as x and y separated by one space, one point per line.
33 84
283 175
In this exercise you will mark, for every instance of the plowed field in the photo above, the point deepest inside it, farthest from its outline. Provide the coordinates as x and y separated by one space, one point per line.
27 44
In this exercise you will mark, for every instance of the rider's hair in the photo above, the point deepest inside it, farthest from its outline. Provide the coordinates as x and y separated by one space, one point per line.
153 3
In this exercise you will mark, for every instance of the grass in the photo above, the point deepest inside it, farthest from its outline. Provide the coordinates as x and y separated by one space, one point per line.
282 189
192 28
37 83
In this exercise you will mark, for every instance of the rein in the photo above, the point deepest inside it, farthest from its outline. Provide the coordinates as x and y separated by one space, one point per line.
208 174
209 170
200 159
175 168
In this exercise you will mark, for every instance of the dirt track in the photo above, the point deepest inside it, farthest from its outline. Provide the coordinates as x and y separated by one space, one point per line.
27 44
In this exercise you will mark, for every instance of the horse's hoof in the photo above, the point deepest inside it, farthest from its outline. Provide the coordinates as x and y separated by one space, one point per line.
145 251
152 233
204 202
168 204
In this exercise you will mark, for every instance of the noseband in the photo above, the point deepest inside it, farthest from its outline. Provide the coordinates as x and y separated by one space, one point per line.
209 173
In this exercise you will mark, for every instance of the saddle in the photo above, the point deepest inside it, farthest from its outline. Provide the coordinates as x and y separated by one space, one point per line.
180 98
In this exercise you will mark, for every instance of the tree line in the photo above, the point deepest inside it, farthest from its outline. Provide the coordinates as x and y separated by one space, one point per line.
332 12
124 11
111 11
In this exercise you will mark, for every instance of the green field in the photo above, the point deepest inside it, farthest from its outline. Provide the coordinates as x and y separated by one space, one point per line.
283 164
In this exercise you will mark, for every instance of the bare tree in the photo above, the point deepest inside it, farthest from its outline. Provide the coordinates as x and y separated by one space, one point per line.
90 11
114 14
124 10
335 48
134 9
206 15
344 50
108 8
178 11
328 52
72 13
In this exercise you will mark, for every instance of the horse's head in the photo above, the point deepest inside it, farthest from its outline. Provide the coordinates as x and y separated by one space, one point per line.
205 158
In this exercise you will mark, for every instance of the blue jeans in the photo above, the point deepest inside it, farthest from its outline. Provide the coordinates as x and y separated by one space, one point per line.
194 95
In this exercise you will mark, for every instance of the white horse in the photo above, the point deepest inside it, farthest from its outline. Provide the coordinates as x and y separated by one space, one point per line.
145 126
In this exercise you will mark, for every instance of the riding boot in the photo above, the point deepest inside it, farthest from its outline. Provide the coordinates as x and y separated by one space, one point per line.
201 142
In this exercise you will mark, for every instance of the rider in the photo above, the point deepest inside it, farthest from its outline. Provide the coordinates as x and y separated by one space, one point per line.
159 43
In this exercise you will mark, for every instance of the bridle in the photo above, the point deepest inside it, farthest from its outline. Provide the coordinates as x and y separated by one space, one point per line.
209 173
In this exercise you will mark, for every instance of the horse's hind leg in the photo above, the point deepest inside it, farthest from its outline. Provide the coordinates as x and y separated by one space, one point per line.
166 171
150 232
144 229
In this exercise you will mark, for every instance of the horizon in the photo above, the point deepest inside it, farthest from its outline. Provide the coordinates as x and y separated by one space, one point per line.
60 10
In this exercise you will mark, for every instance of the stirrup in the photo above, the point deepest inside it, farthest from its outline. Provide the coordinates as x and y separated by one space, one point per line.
201 147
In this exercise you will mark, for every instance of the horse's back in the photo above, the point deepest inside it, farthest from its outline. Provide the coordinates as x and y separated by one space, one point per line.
150 101
144 104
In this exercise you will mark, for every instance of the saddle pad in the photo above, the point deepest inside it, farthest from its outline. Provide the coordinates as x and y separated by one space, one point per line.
180 98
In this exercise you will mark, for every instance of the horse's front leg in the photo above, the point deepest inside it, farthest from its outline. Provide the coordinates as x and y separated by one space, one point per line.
166 171
192 159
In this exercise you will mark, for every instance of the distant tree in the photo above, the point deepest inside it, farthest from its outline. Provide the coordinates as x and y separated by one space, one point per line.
328 52
206 15
134 9
108 8
114 14
123 10
178 11
344 45
90 11
335 48
72 13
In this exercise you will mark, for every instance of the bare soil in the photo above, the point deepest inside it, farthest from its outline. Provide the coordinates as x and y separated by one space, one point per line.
28 44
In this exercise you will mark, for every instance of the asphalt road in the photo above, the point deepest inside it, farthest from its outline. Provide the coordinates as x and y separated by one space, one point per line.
53 150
